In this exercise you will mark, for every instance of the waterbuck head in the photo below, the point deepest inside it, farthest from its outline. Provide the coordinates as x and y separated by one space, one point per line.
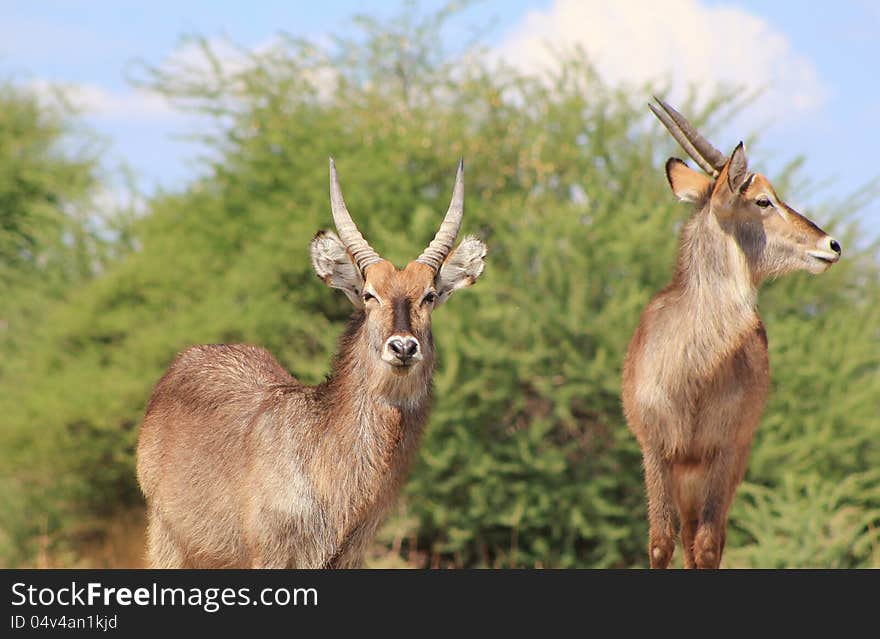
775 238
397 303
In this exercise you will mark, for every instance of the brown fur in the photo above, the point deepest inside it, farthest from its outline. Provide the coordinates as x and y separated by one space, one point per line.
244 466
696 372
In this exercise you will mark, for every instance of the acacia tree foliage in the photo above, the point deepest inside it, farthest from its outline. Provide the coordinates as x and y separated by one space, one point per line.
48 178
527 460
41 183
48 243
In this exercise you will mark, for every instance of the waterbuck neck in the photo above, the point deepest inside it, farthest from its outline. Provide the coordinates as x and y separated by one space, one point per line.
372 425
714 290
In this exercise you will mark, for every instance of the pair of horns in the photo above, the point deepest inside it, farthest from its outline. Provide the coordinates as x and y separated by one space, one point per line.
710 159
364 255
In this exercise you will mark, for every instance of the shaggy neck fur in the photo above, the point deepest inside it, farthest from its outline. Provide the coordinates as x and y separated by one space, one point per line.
372 429
715 290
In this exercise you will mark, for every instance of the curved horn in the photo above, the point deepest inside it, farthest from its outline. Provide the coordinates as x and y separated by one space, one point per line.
710 159
362 253
442 243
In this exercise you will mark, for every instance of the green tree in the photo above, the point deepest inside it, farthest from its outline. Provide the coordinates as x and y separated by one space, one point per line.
47 175
49 240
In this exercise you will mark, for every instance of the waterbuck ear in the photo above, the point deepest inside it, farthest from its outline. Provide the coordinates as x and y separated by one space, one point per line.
733 176
461 268
333 265
687 184
737 168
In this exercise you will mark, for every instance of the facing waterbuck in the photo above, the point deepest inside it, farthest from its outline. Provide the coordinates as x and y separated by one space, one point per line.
244 466
696 372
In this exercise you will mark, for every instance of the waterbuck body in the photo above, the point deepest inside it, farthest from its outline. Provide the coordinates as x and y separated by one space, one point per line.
244 466
696 372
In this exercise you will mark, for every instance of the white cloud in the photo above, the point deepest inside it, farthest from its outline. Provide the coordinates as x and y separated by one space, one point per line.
138 104
98 101
682 41
132 104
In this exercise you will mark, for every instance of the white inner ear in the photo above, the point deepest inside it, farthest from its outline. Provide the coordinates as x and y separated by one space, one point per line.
461 268
333 265
689 193
687 184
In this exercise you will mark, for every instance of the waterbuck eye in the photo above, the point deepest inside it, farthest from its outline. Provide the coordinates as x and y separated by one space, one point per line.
368 297
429 298
763 202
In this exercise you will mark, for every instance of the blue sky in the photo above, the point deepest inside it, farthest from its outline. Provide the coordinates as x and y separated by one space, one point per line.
814 66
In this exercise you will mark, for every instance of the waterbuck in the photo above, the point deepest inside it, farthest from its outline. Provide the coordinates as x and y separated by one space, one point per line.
243 466
696 372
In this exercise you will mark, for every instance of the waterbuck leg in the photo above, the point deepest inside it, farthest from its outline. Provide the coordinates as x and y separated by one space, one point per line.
163 550
272 541
351 552
725 473
661 509
689 525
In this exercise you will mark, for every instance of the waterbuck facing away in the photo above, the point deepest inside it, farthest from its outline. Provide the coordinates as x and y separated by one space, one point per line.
244 466
696 372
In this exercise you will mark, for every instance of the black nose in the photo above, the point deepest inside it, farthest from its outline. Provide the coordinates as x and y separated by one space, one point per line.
403 349
835 246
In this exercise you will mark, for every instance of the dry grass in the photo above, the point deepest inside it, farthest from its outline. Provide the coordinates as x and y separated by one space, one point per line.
119 542
107 543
